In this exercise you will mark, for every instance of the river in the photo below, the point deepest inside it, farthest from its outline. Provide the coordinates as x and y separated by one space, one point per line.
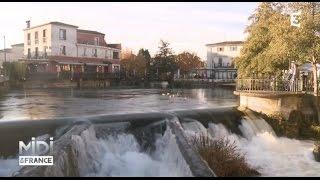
269 154
33 104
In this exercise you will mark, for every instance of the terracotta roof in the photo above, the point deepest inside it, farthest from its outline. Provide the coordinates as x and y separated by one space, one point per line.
116 46
66 59
226 43
86 37
88 31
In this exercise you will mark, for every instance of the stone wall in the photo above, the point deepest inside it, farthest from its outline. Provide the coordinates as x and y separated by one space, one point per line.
277 104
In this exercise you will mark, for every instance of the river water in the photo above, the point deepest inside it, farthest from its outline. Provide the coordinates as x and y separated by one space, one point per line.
35 104
269 154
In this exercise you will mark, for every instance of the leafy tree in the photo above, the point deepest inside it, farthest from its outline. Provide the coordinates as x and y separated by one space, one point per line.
15 70
164 62
146 55
187 61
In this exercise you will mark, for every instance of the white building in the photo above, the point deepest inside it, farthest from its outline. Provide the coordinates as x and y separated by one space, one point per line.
11 54
220 59
57 46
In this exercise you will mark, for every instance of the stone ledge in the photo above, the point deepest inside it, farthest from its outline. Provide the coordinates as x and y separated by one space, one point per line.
269 94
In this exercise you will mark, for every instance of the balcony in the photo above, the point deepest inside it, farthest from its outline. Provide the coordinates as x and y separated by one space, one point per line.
29 42
36 41
44 40
221 65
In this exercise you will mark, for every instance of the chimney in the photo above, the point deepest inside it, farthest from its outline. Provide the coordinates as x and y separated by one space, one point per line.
28 23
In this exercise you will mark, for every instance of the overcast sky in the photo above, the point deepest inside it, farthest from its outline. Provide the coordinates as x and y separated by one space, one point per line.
187 26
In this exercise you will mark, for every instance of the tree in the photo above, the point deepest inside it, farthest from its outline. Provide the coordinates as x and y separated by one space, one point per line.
273 43
146 55
164 62
187 61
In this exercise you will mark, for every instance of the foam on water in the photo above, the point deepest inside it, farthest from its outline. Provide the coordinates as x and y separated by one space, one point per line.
269 154
122 157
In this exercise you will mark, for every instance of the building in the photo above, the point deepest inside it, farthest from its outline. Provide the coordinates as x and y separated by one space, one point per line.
60 47
11 54
220 60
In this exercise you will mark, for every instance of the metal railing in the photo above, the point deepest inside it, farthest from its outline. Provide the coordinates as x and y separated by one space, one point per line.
298 85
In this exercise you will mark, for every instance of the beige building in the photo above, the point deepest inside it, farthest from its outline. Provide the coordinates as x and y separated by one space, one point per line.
57 46
11 54
220 60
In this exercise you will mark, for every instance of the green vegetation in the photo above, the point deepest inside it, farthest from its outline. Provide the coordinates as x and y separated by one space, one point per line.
298 126
15 70
223 157
273 43
161 67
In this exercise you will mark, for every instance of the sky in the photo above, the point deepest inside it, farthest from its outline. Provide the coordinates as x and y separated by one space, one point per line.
186 26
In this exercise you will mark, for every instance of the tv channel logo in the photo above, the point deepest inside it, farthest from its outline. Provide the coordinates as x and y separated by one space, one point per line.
37 148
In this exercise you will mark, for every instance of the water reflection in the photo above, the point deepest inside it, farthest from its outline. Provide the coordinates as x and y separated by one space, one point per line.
48 103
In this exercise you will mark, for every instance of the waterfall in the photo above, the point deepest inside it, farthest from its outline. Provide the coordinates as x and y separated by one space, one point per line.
122 157
263 150
269 154
113 155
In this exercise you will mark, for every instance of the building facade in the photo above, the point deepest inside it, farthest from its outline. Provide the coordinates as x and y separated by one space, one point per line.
220 60
11 54
57 47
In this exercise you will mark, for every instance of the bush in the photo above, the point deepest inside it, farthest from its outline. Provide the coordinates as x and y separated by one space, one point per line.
222 157
15 70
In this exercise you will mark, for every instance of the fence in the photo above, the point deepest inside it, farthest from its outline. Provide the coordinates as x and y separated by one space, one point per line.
298 85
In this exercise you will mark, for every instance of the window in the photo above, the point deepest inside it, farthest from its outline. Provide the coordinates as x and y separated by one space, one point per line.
36 53
84 52
29 38
96 41
45 51
63 50
36 39
115 55
233 48
44 35
29 53
220 62
106 55
95 52
220 49
63 34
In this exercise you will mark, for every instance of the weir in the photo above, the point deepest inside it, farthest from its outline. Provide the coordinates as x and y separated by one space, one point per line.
156 144
146 129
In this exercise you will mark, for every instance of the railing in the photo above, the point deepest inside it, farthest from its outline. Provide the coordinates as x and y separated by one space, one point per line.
67 75
298 85
87 76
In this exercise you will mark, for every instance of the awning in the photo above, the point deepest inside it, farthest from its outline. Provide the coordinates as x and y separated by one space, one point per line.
71 63
93 64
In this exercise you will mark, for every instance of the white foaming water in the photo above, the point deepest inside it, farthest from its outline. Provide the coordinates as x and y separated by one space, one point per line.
269 154
11 165
122 157
115 156
8 166
194 128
